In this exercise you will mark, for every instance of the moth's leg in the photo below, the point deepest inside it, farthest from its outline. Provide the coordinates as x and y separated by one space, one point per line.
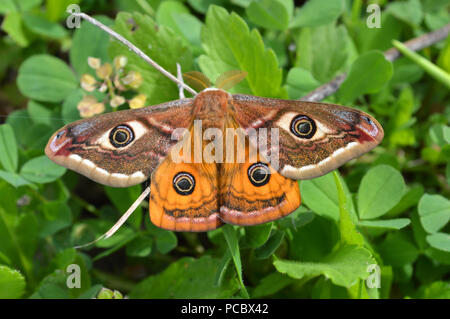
180 78
122 219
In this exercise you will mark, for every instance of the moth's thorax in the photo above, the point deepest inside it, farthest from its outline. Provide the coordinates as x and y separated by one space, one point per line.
210 106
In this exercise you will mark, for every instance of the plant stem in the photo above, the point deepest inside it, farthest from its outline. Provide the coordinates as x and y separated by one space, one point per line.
392 54
429 67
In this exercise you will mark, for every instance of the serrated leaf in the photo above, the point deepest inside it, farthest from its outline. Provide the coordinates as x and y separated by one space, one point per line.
162 44
229 45
12 283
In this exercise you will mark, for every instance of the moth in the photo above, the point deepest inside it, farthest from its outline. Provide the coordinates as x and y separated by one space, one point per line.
128 147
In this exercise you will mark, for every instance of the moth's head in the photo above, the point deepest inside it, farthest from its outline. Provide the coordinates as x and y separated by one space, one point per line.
106 149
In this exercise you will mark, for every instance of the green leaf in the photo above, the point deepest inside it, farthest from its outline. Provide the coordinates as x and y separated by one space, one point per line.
256 236
57 217
299 82
344 267
368 74
89 41
14 179
45 78
122 198
439 241
229 45
380 190
223 266
43 27
14 6
271 284
316 13
241 3
90 293
124 233
379 38
270 246
159 42
409 199
41 170
324 51
321 196
397 223
398 250
166 241
29 135
177 17
140 247
186 278
434 212
314 240
447 172
407 11
269 14
12 283
56 9
14 26
232 239
203 5
69 110
297 219
347 229
41 114
405 71
8 148
439 134
436 290
401 120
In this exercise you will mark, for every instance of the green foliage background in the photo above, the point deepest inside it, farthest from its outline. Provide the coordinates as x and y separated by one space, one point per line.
388 208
